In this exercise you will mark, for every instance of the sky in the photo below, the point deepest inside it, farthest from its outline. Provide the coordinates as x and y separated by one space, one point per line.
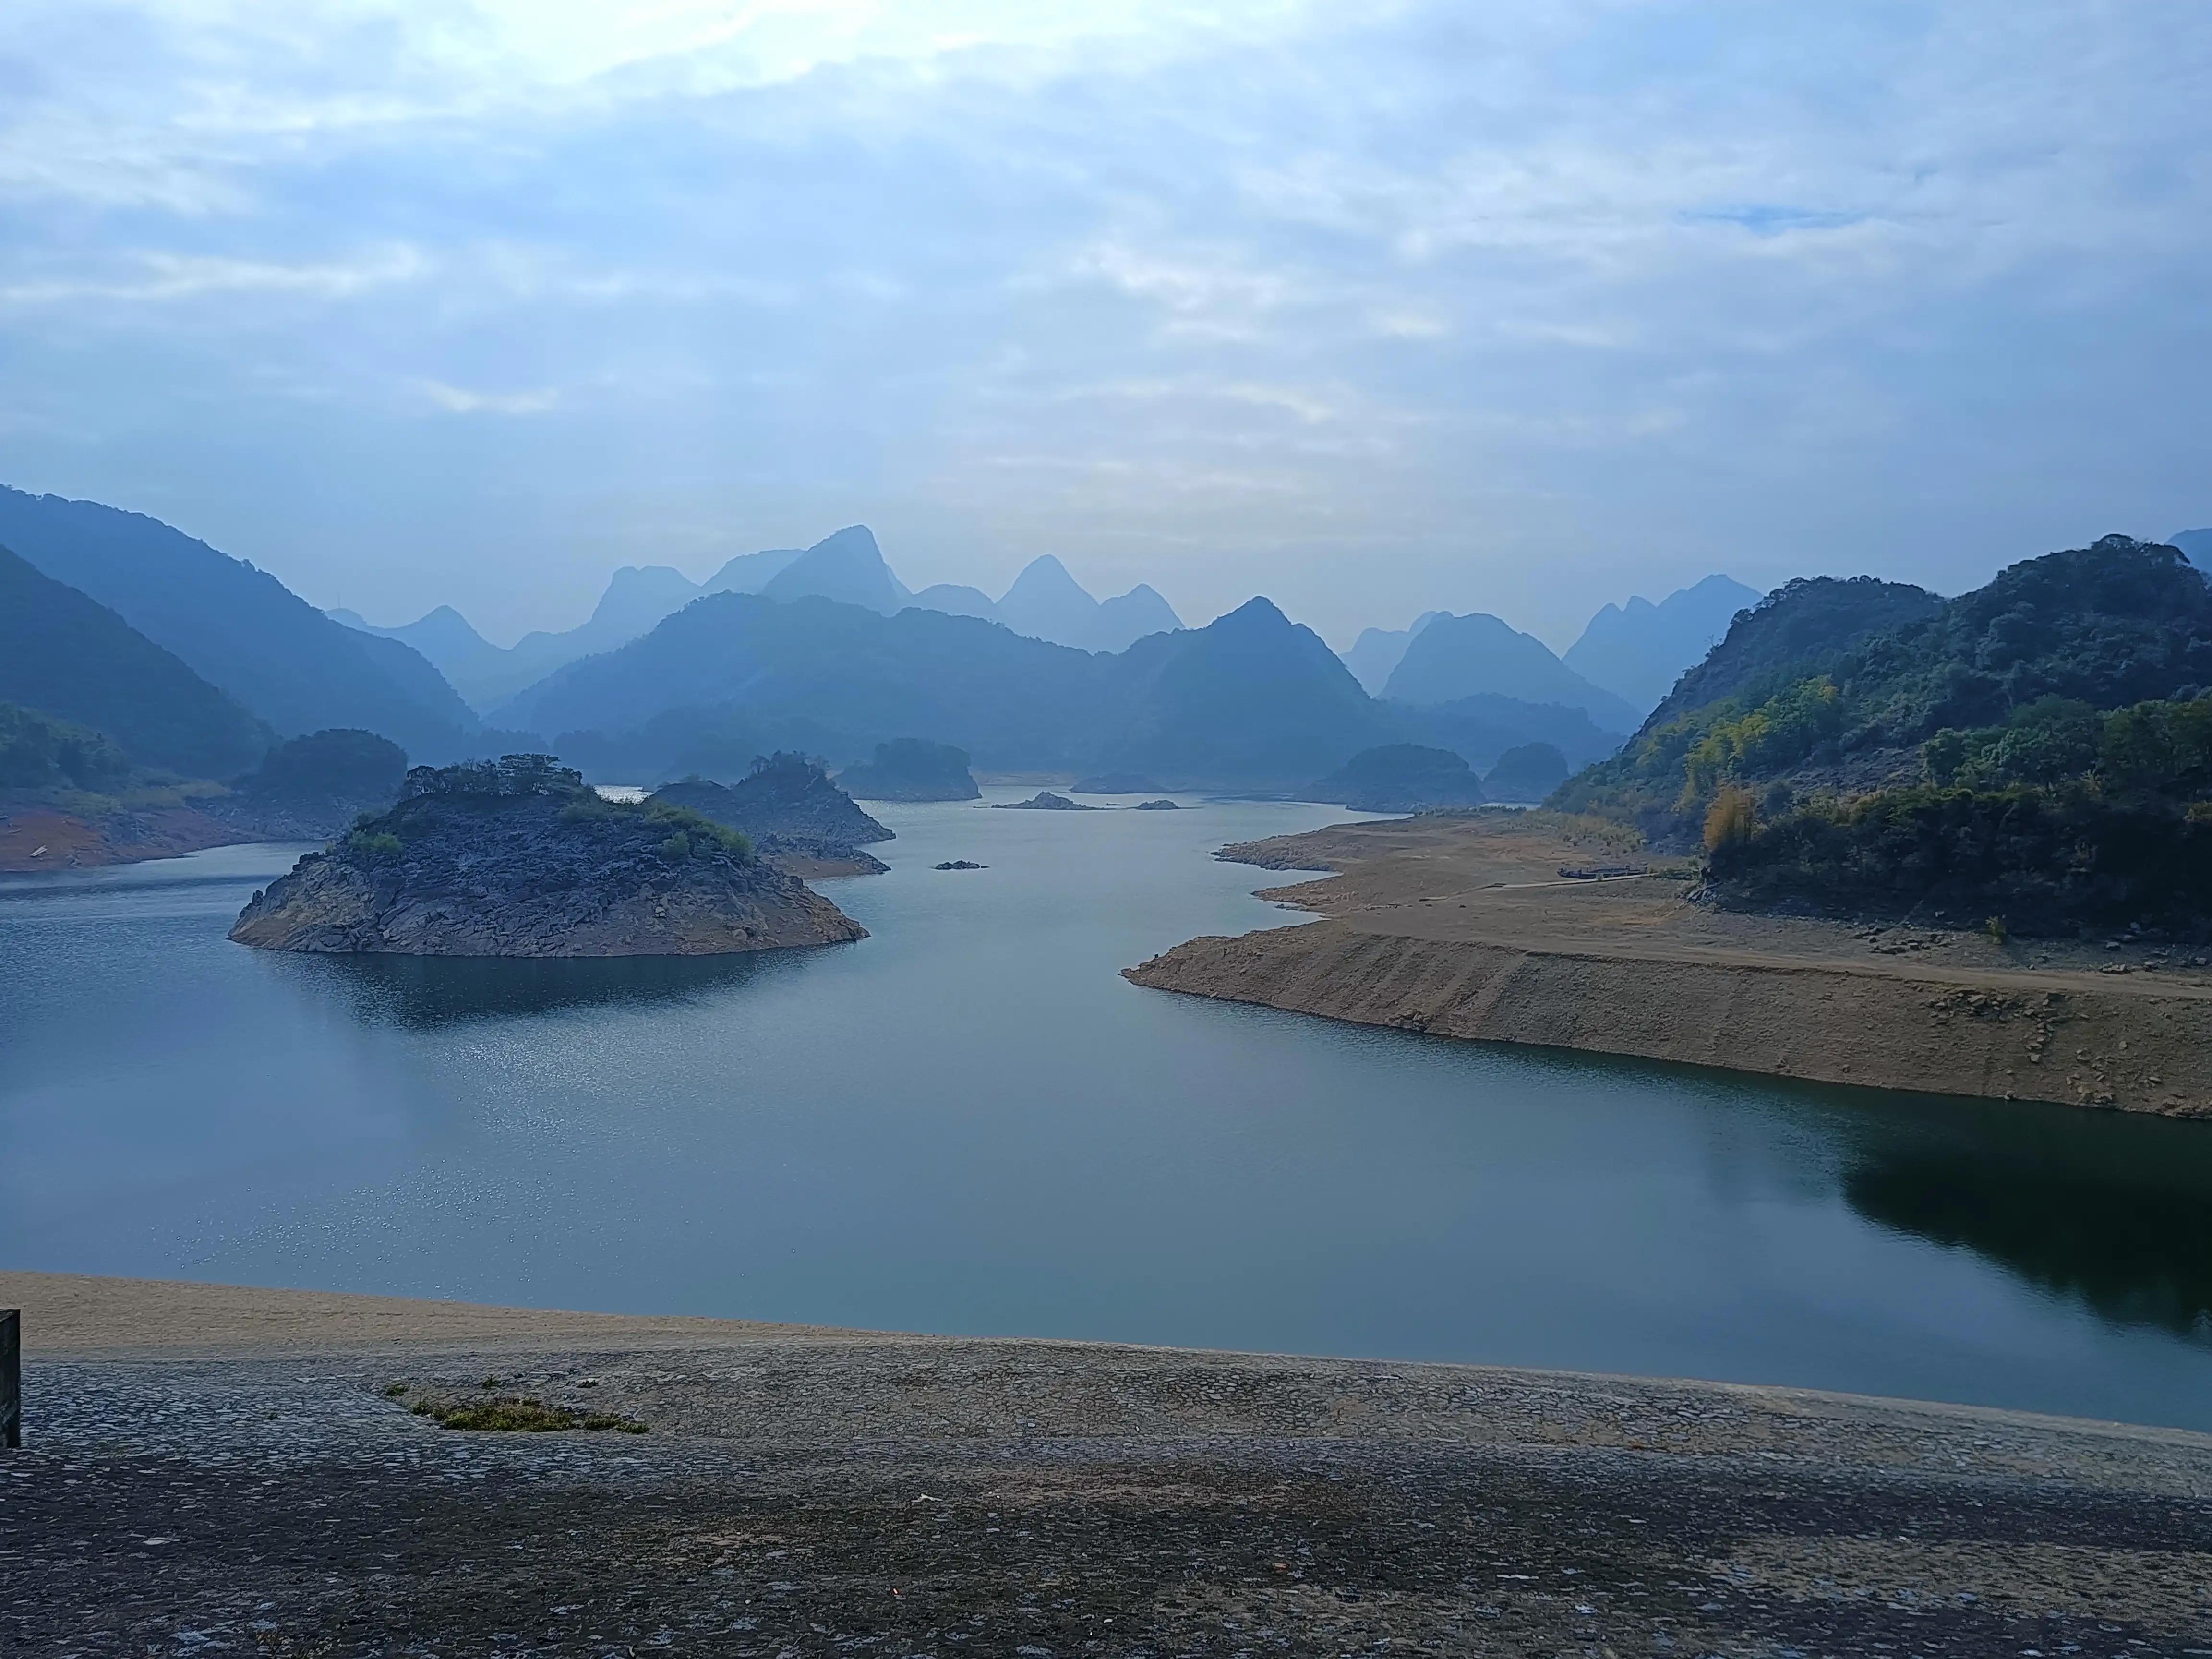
1518 307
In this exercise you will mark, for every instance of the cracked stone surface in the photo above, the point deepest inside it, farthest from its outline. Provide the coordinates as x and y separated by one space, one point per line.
903 1495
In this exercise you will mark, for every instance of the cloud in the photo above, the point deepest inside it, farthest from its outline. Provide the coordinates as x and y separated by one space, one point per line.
153 277
1512 308
457 401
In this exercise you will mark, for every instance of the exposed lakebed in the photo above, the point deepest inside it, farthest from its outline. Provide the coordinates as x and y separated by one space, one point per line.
969 1123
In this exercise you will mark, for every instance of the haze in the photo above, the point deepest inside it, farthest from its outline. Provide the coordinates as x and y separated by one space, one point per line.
1510 309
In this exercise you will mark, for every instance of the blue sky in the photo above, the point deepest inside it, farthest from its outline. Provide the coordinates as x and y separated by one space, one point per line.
1372 309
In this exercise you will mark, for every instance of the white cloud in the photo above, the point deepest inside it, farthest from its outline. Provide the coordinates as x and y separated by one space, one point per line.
150 277
1384 307
456 400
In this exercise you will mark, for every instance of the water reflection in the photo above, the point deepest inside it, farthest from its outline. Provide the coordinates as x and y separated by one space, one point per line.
2132 1242
425 993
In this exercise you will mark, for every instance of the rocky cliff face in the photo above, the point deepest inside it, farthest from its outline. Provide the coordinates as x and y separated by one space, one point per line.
550 871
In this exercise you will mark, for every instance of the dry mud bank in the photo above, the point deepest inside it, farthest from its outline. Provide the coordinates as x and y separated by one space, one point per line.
821 1491
1461 927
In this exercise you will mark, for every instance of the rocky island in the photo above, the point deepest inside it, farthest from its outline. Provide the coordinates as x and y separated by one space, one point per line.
1043 801
792 812
517 858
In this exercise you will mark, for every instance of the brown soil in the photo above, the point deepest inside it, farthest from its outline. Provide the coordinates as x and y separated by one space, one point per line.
1463 926
216 1470
36 838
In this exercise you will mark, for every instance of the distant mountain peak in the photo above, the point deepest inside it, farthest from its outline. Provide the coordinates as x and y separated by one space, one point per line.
1457 657
1047 603
846 566
1638 650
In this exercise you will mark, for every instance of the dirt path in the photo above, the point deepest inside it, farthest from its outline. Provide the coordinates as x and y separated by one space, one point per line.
1461 927
813 1491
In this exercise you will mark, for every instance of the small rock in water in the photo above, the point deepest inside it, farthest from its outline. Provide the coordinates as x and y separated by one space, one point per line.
962 864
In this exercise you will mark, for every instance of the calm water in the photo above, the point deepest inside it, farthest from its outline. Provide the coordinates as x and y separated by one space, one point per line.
969 1123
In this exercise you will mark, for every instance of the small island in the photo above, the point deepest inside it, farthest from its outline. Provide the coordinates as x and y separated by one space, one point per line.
907 769
517 858
1163 805
794 815
1044 801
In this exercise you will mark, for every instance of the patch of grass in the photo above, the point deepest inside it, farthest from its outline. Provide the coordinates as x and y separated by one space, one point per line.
511 1414
394 1390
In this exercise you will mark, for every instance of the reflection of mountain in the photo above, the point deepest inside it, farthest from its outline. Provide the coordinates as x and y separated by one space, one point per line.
420 992
2132 1243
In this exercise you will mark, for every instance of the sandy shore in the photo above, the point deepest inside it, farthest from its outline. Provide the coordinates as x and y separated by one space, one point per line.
211 1469
1463 927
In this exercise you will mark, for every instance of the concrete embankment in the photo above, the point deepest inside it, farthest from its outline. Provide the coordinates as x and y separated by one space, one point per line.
209 1469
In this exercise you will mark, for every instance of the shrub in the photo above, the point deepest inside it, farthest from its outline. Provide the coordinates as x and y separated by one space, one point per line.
1732 818
376 843
698 831
2044 859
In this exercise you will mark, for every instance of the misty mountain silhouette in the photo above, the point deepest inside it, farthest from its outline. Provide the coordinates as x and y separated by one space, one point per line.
1457 657
1252 700
1375 654
1047 603
847 567
65 654
238 628
1638 650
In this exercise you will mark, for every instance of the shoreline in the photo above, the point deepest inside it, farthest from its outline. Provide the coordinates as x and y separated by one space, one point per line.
1449 927
104 1318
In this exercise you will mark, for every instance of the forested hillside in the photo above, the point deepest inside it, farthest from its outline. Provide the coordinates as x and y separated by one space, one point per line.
76 661
2041 746
236 627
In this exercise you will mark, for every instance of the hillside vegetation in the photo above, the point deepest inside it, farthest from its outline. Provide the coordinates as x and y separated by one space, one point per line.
2038 752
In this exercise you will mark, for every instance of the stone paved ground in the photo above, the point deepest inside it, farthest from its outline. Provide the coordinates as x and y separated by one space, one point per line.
895 1496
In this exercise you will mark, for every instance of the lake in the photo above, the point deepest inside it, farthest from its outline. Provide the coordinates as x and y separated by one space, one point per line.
969 1123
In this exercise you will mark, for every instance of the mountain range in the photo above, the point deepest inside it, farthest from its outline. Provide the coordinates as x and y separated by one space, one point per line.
238 629
1638 650
1626 660
1252 700
69 657
819 650
1478 655
1044 602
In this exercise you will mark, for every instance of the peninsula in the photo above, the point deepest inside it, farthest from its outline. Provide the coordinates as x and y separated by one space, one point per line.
1476 926
517 858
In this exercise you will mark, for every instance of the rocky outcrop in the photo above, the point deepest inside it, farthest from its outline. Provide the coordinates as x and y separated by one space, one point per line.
1160 805
1044 801
793 814
528 863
